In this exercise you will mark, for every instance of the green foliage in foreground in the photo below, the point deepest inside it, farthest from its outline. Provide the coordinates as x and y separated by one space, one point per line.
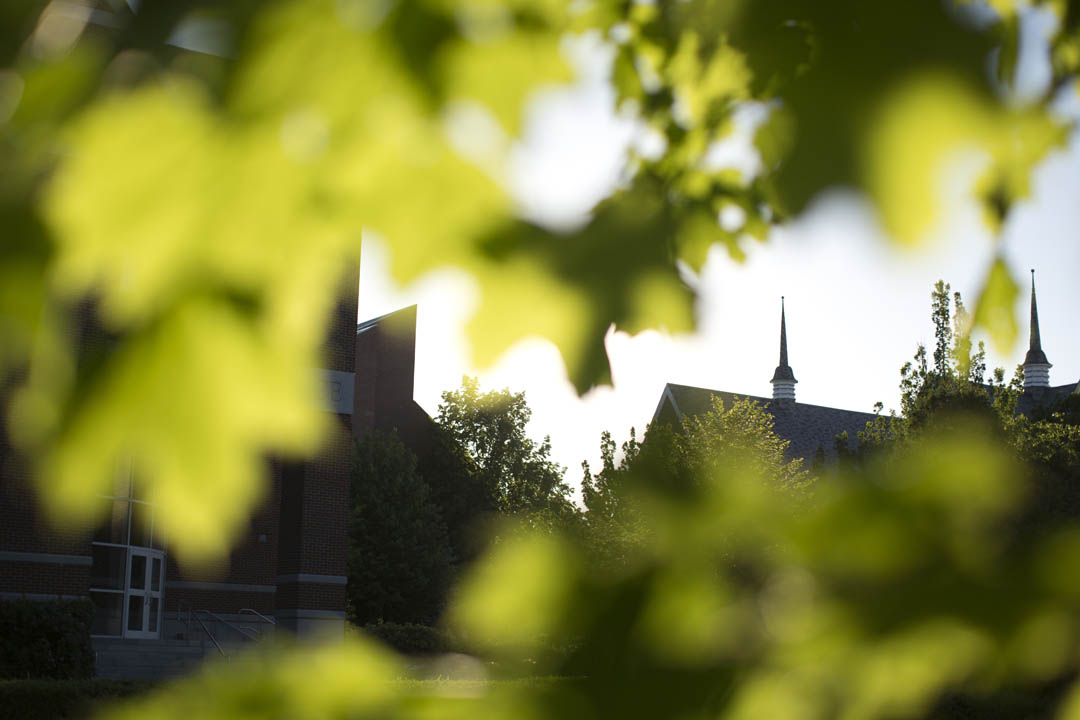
953 389
904 587
676 462
411 528
210 203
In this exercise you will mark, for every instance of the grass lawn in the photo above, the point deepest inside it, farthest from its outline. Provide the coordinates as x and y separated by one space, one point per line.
427 679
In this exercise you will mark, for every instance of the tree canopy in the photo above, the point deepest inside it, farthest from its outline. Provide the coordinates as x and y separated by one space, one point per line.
209 198
517 474
680 462
208 203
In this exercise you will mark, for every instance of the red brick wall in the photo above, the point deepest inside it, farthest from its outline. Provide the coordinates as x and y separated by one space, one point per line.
311 596
314 509
313 496
251 561
385 370
303 517
44 579
338 348
218 601
23 527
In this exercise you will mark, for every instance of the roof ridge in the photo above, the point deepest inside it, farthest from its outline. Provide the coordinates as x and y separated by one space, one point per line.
367 324
765 399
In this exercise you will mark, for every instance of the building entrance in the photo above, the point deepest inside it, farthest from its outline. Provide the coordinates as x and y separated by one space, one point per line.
142 596
127 577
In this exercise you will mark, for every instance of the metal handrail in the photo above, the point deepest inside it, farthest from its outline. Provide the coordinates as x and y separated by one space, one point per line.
194 615
257 614
246 632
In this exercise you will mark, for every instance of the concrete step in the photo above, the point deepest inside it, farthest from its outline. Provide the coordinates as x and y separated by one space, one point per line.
120 659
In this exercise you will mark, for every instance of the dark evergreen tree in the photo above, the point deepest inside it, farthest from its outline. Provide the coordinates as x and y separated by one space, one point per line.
399 555
459 491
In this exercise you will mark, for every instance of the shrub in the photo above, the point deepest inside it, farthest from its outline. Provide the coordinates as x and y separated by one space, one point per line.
412 638
46 639
62 699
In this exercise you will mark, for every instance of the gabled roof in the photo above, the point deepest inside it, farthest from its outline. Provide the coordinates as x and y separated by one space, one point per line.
368 324
1038 397
805 426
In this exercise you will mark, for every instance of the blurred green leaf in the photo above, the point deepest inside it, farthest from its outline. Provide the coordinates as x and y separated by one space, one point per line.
994 310
519 598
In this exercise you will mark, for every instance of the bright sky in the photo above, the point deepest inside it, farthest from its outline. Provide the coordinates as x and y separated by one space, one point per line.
856 306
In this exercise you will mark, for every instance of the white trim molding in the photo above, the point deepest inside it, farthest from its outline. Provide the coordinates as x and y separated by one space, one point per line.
1037 375
667 396
46 558
303 614
39 597
313 579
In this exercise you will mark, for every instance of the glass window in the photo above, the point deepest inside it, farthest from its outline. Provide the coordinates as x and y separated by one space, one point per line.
138 572
114 529
135 612
155 575
141 519
108 613
110 564
153 614
158 539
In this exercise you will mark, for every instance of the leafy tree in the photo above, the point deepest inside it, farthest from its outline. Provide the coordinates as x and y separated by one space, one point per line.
209 203
952 389
615 528
517 475
953 394
741 436
399 557
211 200
459 491
680 462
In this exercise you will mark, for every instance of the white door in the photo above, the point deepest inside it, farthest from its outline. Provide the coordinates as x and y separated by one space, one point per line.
142 596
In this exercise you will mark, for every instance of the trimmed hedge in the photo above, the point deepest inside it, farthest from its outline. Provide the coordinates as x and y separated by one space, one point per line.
49 639
412 638
62 699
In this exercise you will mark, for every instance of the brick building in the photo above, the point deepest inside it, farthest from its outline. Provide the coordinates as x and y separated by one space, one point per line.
288 566
385 368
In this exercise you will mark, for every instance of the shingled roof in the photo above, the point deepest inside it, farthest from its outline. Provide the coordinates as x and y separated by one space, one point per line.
806 427
1033 398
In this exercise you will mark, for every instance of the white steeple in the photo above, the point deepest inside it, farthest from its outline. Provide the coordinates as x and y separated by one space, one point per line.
1036 366
783 379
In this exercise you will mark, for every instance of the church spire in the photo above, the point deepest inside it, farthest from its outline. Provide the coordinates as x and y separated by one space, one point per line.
1036 366
783 380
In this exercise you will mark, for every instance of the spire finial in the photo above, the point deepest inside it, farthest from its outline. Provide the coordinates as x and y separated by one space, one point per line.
783 334
783 380
1035 338
1036 366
